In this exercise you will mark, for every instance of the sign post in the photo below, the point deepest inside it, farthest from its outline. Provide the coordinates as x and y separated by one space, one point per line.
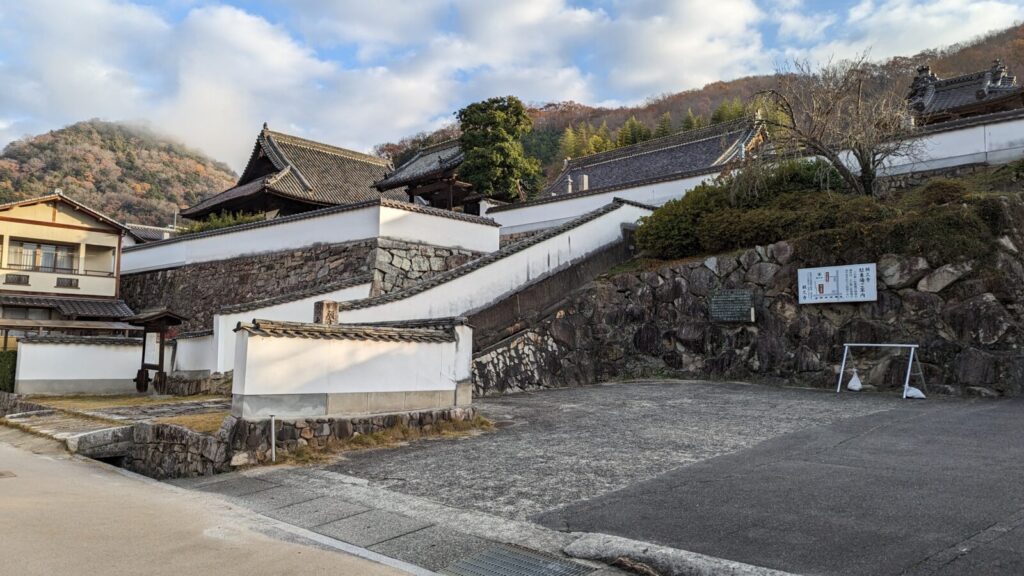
834 284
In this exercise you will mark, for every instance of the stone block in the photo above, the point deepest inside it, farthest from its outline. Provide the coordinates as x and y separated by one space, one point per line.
351 403
383 402
425 400
944 276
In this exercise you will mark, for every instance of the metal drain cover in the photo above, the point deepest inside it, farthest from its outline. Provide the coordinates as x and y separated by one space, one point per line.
507 560
6 474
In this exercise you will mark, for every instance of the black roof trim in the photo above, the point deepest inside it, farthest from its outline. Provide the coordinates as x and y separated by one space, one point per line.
275 329
66 339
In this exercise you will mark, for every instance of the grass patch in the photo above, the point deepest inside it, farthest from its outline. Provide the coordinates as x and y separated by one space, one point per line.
387 438
99 402
204 423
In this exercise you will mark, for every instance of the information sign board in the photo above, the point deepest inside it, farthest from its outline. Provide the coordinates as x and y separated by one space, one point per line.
831 284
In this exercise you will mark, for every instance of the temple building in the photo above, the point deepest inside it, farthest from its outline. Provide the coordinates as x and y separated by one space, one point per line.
933 99
289 175
59 269
668 158
432 175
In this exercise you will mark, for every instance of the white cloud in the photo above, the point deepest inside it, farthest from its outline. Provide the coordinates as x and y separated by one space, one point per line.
906 27
356 73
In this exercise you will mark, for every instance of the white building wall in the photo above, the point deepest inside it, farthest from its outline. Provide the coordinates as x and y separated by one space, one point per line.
427 229
334 228
81 369
491 283
195 354
223 340
275 366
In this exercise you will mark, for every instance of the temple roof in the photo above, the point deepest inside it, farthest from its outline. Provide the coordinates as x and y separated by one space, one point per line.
301 170
658 159
431 161
932 96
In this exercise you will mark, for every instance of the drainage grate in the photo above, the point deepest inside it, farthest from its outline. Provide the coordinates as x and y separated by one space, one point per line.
6 474
506 560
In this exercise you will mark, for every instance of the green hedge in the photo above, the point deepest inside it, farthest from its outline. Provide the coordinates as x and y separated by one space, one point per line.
8 360
944 219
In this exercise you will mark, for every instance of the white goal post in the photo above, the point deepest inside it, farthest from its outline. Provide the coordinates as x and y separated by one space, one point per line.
910 362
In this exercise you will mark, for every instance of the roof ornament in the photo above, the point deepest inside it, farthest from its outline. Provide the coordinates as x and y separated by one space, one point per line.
265 126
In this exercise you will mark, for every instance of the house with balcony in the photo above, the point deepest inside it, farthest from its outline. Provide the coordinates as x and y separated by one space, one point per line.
59 270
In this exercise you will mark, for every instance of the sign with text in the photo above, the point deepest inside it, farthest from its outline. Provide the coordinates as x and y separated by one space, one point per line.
853 283
732 306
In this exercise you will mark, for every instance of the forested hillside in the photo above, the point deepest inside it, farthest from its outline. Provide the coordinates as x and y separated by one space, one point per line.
680 110
127 172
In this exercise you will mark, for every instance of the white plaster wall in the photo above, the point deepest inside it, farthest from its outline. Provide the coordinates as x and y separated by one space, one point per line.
223 341
540 216
334 228
311 366
995 143
495 281
196 354
447 232
76 368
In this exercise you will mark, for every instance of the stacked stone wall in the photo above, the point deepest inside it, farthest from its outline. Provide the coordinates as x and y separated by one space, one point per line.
965 316
251 440
401 264
166 451
198 291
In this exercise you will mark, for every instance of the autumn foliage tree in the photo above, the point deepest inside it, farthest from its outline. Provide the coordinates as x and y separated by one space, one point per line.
491 140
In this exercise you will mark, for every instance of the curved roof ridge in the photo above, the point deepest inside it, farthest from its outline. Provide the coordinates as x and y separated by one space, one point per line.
329 148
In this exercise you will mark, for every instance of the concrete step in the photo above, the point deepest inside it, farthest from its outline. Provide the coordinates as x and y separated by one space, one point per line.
93 437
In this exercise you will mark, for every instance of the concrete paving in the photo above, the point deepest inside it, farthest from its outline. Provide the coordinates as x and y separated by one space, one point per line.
67 515
926 488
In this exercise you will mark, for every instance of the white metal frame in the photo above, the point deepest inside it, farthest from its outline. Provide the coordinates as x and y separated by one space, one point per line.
910 363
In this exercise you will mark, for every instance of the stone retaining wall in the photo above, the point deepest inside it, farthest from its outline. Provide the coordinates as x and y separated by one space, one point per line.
966 316
166 451
250 442
198 291
400 264
889 184
191 384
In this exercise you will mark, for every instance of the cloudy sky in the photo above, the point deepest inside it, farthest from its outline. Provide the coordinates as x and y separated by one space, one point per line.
356 73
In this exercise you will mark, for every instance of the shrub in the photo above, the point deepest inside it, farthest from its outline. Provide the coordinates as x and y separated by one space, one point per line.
671 231
939 191
8 362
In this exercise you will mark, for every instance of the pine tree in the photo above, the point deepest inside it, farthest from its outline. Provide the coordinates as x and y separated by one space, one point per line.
728 110
567 144
491 140
601 141
583 148
664 125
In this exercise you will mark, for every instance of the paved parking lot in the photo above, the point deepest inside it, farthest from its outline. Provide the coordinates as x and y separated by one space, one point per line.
798 480
561 446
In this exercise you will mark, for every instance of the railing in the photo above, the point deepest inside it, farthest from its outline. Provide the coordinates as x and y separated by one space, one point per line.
25 260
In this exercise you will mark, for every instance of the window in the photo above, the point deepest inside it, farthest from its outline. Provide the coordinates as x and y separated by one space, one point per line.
67 282
18 279
42 257
19 313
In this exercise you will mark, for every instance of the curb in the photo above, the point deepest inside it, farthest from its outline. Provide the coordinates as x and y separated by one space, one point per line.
667 561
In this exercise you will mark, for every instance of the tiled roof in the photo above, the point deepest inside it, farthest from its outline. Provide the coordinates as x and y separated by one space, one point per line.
76 307
401 205
430 161
302 170
931 95
478 263
431 323
298 295
151 233
660 158
95 340
156 313
344 332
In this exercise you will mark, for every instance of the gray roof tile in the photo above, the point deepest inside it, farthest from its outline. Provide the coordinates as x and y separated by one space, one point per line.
344 332
75 307
430 161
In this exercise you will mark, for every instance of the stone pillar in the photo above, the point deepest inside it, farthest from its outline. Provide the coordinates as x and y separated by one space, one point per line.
325 312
